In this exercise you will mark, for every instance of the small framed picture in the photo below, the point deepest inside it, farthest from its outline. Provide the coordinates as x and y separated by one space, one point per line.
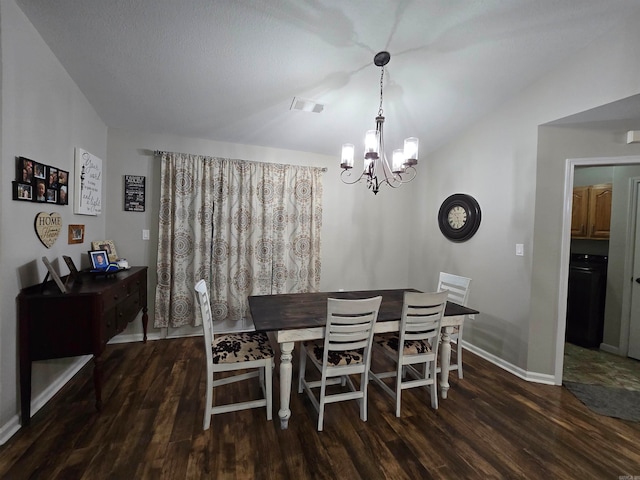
52 195
38 170
22 191
52 177
107 245
63 198
99 259
63 177
76 234
74 274
40 193
54 275
24 170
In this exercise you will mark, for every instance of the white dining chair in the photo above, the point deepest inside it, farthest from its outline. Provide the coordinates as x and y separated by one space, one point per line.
231 352
416 343
457 288
345 351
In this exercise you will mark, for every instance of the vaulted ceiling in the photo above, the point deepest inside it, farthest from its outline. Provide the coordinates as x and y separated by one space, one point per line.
229 70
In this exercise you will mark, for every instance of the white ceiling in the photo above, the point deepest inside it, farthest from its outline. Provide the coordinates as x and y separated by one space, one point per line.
228 70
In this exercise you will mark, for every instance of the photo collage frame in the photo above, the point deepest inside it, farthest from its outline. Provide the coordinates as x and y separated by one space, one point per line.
38 182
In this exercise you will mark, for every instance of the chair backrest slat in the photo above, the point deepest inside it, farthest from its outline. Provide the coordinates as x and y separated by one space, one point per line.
456 286
207 317
422 316
350 323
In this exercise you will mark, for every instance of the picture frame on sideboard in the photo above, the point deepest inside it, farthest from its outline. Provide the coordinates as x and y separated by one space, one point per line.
54 275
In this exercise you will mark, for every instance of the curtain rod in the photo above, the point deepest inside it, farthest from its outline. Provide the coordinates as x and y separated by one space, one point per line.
158 153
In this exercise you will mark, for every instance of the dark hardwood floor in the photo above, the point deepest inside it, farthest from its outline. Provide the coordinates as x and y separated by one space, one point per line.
493 425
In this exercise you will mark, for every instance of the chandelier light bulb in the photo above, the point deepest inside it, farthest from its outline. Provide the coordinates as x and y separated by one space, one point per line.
347 155
371 144
397 162
411 150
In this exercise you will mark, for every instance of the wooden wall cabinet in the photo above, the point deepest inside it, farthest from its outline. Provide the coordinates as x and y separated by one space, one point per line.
591 214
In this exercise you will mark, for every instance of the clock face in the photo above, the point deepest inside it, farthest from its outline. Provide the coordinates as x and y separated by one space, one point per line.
459 217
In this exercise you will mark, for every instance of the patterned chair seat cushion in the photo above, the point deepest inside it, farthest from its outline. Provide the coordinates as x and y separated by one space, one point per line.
335 359
411 347
241 347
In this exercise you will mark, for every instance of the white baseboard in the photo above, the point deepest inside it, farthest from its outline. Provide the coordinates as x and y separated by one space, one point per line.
134 338
11 427
517 371
605 347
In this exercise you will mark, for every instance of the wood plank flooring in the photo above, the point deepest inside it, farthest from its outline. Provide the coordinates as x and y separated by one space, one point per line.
493 425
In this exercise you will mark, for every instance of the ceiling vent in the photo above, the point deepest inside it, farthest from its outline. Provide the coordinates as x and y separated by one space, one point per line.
306 105
633 136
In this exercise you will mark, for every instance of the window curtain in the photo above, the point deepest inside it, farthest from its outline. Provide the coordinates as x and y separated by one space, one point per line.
247 228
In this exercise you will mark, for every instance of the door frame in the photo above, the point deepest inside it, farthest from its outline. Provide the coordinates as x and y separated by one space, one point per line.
625 321
565 248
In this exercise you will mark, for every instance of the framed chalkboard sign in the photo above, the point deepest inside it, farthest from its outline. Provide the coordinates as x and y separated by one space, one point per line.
134 193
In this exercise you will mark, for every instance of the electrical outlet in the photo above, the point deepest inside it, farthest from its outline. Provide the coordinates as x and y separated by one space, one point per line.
472 316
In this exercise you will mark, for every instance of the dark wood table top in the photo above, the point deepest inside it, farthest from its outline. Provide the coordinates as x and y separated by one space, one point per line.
307 310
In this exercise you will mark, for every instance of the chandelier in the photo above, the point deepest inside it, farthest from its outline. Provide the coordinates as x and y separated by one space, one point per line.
377 170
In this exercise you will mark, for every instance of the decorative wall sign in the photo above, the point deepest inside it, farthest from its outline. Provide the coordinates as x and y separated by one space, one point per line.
134 193
37 182
48 227
88 184
76 234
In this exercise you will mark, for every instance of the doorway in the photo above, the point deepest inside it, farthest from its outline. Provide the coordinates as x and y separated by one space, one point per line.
623 255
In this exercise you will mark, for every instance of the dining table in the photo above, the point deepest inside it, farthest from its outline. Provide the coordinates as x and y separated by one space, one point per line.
293 317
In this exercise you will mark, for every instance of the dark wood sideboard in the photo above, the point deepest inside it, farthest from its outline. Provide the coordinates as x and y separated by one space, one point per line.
81 322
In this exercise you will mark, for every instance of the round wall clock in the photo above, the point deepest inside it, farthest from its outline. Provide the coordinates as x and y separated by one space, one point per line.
459 217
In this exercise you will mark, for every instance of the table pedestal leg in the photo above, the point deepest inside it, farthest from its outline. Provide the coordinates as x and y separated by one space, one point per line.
445 360
286 349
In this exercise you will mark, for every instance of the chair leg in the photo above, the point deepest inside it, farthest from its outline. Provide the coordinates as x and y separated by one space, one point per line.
364 380
323 388
206 423
459 358
302 366
433 388
268 373
400 373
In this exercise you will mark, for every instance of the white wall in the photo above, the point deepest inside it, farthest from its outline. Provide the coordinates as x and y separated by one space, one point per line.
44 117
563 143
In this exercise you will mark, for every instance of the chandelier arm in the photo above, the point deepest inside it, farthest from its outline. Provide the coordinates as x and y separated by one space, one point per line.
347 174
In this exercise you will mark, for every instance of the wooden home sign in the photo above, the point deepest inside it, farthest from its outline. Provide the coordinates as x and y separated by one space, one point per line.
48 227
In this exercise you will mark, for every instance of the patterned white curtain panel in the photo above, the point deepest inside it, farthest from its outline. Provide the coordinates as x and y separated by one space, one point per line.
247 228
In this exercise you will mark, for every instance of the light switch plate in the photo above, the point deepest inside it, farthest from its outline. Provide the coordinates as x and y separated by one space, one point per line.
519 249
145 234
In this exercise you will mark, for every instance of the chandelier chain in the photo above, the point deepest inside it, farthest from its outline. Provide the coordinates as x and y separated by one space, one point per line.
381 85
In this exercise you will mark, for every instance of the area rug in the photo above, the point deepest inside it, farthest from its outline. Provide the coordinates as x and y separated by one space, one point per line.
611 402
